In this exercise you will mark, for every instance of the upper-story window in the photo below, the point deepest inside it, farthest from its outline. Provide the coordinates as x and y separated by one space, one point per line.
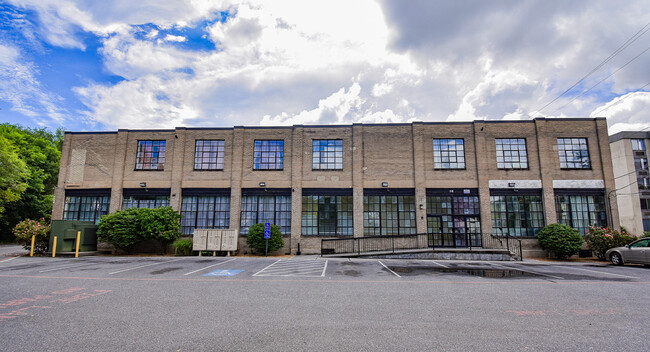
574 153
268 155
638 144
327 154
150 155
511 153
208 154
448 154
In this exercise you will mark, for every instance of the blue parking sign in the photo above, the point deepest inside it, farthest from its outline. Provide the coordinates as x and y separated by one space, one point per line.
267 230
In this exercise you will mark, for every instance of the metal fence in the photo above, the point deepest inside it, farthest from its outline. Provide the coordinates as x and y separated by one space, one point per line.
509 243
360 245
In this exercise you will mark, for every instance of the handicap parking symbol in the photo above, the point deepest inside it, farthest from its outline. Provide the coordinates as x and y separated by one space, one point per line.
223 273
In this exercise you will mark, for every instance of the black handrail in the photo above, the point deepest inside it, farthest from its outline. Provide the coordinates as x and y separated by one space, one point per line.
388 243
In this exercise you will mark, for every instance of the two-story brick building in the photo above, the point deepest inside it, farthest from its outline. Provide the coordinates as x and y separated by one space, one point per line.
456 181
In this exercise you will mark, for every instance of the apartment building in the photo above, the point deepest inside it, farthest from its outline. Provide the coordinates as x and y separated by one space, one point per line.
456 181
632 179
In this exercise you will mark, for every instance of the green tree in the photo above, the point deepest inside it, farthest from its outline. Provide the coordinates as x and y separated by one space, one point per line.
161 224
564 241
13 174
256 240
39 150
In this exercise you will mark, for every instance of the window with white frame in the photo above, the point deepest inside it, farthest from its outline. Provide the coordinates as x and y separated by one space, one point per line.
511 153
448 154
327 154
574 153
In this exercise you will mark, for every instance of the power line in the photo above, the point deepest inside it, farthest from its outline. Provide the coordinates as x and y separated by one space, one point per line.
627 43
620 100
601 81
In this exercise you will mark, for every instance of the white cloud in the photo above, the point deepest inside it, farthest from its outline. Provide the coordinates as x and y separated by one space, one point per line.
285 62
628 112
20 87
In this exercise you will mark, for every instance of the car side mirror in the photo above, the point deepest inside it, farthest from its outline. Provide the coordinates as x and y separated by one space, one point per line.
627 246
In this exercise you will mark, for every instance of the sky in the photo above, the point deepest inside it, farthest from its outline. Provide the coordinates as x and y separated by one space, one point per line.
86 65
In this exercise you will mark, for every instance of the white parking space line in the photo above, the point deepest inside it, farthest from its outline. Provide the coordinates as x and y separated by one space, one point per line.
64 267
303 268
528 271
435 262
6 260
394 273
142 266
606 273
267 267
209 266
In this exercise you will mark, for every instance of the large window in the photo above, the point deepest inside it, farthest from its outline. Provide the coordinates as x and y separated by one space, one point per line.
205 209
327 215
516 215
638 144
259 208
327 154
574 153
641 164
388 214
453 217
580 210
645 204
448 154
268 155
86 205
209 154
145 198
150 155
643 182
511 153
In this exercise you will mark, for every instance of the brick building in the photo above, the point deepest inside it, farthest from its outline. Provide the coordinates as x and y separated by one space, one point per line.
632 178
456 181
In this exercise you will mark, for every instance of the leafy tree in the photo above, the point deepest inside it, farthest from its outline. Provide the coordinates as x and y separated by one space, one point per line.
40 151
256 240
564 241
161 224
13 174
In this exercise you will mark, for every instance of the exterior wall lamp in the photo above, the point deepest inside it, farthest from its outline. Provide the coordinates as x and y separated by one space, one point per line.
384 184
143 184
262 184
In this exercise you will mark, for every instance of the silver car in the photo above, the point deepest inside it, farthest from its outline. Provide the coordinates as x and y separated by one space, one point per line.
635 252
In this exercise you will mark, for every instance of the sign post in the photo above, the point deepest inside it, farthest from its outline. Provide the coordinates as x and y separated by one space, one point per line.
267 235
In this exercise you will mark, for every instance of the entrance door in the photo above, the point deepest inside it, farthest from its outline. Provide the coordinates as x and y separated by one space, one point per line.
327 216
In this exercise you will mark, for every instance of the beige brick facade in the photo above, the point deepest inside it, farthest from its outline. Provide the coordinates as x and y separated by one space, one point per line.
400 155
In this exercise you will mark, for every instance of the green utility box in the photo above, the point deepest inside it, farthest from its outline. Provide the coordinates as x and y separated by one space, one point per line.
66 232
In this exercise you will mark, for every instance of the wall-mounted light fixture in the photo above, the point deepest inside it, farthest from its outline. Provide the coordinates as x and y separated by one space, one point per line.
511 184
384 184
421 206
262 184
143 184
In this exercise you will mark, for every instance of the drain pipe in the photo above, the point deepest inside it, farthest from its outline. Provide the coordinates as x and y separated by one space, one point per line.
298 252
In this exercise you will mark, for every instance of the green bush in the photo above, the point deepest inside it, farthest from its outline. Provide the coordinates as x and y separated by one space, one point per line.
183 246
125 228
600 239
25 229
257 241
562 240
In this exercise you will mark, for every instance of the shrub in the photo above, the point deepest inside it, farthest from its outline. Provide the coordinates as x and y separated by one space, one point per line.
183 246
125 228
25 229
257 241
600 239
121 229
562 240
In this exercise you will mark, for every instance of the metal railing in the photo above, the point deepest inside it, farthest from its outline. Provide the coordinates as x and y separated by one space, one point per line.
389 243
509 243
394 243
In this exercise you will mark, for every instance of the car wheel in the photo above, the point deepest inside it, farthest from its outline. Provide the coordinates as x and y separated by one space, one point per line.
616 259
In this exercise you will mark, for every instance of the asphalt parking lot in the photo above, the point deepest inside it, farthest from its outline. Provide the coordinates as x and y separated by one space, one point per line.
313 303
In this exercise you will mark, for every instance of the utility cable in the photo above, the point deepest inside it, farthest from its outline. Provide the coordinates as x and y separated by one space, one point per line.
620 100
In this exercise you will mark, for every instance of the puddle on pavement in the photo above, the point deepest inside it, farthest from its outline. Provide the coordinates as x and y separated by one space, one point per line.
166 270
487 273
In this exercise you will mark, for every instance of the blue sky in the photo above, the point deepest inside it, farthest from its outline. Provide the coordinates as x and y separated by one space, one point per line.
87 65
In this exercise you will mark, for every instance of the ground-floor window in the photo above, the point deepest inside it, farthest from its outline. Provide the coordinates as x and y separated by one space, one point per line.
388 212
327 212
145 198
453 217
262 206
86 205
581 208
205 209
646 225
516 212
